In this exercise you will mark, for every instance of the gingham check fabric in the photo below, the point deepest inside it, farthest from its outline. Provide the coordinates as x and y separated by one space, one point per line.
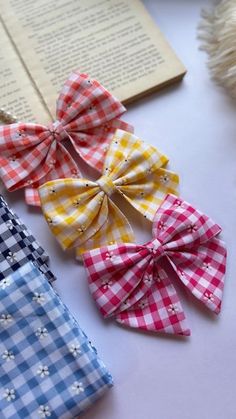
18 245
80 212
87 117
49 369
134 283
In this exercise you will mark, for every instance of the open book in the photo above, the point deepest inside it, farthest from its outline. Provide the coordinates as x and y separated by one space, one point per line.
114 41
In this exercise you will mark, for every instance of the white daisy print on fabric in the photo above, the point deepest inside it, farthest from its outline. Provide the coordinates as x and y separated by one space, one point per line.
8 355
208 296
143 303
5 282
10 225
106 283
111 256
41 332
77 387
43 371
9 394
164 179
44 411
207 266
39 298
11 257
148 279
192 228
75 349
6 319
173 309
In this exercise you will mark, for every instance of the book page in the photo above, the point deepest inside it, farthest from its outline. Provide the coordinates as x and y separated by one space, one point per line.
17 95
114 41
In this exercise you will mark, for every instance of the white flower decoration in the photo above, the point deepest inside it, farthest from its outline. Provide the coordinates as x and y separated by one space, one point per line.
9 394
82 228
5 319
43 371
178 203
74 173
52 190
161 225
209 297
39 298
52 163
173 309
5 282
51 221
10 225
164 179
111 256
207 266
192 228
148 279
13 159
12 257
143 303
107 170
75 349
125 304
181 273
41 332
76 203
44 411
8 355
106 283
77 387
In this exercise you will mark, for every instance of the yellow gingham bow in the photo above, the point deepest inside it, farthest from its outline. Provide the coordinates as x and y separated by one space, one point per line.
80 212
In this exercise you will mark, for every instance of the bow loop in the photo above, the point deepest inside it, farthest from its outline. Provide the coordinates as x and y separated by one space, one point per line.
139 289
180 226
87 117
125 177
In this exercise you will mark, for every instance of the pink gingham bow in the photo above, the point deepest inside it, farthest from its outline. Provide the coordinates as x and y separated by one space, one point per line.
133 283
32 154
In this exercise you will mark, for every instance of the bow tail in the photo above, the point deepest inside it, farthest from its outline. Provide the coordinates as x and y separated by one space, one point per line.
202 272
159 310
116 229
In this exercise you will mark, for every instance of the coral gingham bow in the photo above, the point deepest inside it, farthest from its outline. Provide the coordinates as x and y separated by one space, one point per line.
80 212
134 284
31 154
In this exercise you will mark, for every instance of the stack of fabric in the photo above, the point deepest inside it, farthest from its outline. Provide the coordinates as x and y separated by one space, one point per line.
48 366
132 283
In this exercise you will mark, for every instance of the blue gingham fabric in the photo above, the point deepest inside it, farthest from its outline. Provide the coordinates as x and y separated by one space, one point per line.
48 367
18 245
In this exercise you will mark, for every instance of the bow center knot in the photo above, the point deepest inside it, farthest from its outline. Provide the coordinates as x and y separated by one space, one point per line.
106 185
57 131
156 248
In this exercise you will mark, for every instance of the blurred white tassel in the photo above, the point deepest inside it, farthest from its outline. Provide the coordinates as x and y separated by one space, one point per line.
217 32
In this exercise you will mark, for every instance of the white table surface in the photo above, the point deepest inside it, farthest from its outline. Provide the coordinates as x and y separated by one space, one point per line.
159 376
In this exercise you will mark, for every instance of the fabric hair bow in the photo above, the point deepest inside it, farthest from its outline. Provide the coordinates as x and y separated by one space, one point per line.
81 213
134 284
86 116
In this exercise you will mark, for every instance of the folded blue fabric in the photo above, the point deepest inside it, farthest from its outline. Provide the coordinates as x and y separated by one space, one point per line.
18 245
49 369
